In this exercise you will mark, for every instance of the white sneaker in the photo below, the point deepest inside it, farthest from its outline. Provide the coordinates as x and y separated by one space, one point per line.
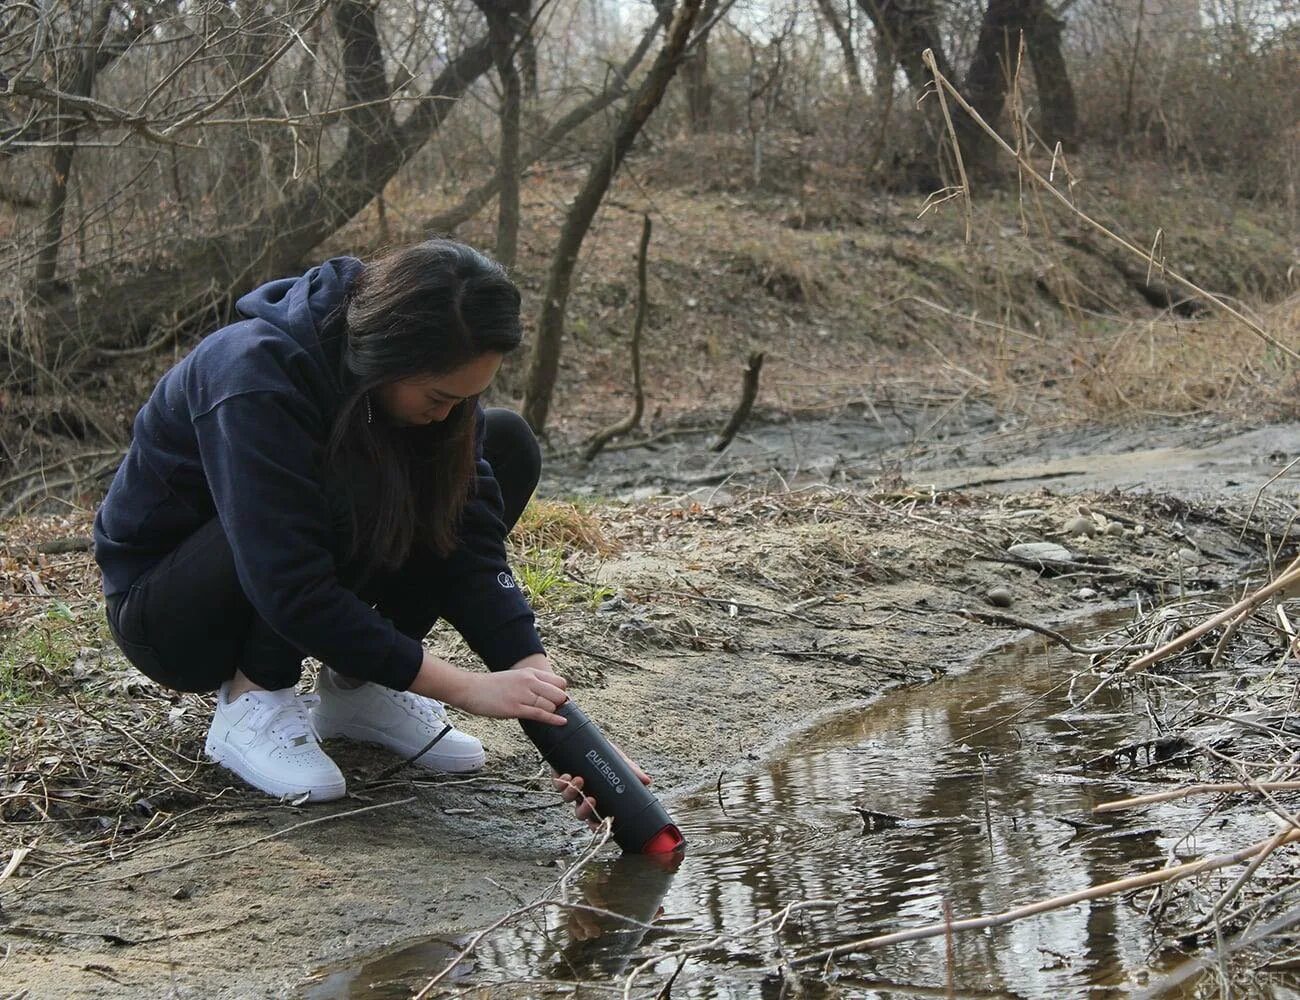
397 720
266 738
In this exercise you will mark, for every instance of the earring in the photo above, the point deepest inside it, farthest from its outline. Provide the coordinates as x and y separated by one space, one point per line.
370 416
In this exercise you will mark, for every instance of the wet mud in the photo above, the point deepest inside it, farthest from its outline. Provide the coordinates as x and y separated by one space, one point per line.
950 447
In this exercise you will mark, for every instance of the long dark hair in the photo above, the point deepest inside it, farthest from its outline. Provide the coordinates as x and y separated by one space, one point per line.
427 309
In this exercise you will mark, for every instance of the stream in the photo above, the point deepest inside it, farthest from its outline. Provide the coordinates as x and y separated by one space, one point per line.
956 793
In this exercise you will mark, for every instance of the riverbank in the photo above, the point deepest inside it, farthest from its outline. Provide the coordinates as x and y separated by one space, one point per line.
697 629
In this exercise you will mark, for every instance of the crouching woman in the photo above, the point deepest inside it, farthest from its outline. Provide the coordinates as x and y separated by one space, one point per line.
319 479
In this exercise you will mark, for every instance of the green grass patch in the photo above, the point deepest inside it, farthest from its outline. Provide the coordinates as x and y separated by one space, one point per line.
47 646
550 588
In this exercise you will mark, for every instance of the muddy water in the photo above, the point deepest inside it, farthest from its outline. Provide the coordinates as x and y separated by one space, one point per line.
985 773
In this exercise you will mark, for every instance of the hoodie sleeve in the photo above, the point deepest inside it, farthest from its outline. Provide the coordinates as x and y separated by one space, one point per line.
263 464
478 594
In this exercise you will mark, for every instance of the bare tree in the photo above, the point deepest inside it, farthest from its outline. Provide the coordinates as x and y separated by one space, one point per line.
841 31
85 65
615 88
544 361
695 75
506 21
766 77
907 28
996 61
206 270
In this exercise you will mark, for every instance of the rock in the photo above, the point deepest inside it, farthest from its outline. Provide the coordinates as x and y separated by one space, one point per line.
1115 529
1041 552
636 629
1085 593
641 493
1080 526
704 496
999 597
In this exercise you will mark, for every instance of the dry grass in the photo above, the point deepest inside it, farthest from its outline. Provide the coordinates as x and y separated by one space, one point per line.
1169 366
1112 370
897 307
560 526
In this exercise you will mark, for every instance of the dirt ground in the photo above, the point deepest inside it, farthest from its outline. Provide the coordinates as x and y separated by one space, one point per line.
699 627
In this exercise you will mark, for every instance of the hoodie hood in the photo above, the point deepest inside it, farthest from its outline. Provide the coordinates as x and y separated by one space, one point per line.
308 309
302 306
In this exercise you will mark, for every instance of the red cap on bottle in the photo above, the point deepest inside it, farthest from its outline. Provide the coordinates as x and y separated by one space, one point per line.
666 841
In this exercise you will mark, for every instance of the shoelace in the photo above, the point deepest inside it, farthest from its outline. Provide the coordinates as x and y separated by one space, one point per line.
290 720
428 709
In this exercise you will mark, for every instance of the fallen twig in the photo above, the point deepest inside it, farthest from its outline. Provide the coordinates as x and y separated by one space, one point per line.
1289 577
1210 788
1159 877
1000 618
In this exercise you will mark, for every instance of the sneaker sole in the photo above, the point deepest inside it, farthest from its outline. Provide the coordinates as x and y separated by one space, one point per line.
431 761
234 762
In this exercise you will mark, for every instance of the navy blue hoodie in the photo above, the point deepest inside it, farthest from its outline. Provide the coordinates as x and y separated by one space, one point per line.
238 431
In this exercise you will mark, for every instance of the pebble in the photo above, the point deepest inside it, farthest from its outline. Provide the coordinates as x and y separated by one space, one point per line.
1080 526
999 597
1043 552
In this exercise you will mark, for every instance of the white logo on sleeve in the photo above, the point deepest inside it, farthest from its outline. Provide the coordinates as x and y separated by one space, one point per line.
506 580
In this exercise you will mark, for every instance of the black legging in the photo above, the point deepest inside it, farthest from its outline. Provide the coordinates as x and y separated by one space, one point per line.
187 624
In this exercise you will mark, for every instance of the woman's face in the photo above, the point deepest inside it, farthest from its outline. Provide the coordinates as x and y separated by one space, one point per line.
427 399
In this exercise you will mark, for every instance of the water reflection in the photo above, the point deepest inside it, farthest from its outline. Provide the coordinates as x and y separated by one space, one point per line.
982 769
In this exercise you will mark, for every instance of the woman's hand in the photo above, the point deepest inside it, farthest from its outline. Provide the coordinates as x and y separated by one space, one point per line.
525 692
586 809
521 693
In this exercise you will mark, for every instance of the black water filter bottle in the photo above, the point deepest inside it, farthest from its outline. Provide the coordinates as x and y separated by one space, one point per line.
641 825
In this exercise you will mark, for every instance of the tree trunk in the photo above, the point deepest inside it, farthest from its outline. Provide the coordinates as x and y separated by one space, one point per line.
698 83
544 362
699 91
993 67
989 77
207 271
827 8
503 20
528 54
66 129
908 28
1060 116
